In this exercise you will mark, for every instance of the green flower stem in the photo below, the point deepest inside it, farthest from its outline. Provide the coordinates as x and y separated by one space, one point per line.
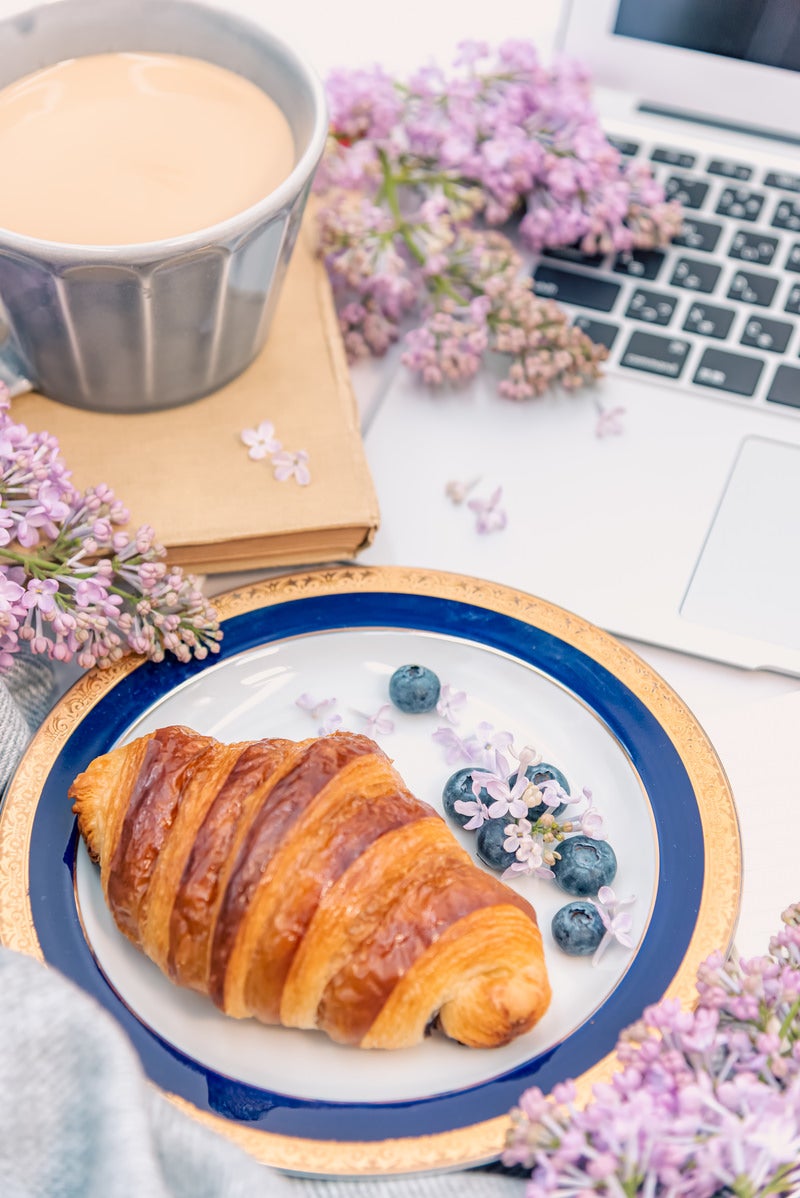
389 193
791 1015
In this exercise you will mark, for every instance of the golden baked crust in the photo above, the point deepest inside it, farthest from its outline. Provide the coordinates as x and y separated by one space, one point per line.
302 883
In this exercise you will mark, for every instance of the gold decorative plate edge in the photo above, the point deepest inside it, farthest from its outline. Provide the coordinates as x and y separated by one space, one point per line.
480 1142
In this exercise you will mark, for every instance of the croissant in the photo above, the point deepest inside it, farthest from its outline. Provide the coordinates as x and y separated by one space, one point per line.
303 884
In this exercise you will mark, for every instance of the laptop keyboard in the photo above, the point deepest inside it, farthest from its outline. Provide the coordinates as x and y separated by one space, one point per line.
719 310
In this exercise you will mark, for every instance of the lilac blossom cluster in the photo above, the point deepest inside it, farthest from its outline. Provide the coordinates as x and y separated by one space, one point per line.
74 583
706 1103
419 174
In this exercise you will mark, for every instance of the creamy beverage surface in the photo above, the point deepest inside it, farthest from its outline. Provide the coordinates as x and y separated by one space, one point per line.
114 149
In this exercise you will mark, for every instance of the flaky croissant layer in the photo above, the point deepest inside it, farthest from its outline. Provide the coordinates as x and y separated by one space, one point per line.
302 883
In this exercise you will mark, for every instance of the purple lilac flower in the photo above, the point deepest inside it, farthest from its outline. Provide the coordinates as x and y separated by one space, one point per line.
292 465
705 1103
455 749
261 441
489 516
380 723
99 591
450 703
411 168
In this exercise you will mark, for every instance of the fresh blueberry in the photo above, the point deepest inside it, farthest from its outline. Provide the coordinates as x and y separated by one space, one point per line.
414 689
543 773
577 928
490 844
584 865
459 786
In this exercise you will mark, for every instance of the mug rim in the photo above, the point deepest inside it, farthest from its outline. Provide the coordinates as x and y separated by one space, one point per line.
241 222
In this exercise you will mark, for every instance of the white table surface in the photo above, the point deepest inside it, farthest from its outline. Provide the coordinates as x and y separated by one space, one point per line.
750 716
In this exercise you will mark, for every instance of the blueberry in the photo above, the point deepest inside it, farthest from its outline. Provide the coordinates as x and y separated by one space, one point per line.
584 865
459 786
414 689
490 844
577 928
543 773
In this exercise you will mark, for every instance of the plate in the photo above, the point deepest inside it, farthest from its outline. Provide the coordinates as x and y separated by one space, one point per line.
332 638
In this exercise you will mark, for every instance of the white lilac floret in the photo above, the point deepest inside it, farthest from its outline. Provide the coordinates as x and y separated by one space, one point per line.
75 581
416 174
705 1103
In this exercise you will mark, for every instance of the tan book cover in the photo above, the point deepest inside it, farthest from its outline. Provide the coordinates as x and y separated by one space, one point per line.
186 471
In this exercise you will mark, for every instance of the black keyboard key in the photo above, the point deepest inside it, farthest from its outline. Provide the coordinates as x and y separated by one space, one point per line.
573 253
652 306
640 264
708 320
665 356
689 192
793 261
598 331
728 372
694 275
679 158
629 149
785 387
730 170
740 203
787 216
772 335
753 289
753 247
793 302
698 235
783 180
569 287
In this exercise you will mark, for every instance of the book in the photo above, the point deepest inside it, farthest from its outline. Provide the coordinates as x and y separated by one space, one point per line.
186 471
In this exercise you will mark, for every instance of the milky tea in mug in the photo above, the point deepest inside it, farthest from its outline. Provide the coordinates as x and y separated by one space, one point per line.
111 149
158 155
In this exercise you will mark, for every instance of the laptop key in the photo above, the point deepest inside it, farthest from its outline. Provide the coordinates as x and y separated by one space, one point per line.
689 192
783 180
793 261
740 203
573 253
723 371
785 387
752 288
708 320
598 331
787 215
653 306
665 356
694 275
729 170
627 148
569 287
641 264
680 158
772 335
698 235
793 302
753 247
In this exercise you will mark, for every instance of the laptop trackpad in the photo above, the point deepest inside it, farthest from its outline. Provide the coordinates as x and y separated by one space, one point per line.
747 579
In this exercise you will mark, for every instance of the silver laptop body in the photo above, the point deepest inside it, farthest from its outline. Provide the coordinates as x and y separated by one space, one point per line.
683 529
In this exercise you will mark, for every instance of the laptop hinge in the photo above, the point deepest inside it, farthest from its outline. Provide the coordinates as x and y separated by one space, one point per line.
696 118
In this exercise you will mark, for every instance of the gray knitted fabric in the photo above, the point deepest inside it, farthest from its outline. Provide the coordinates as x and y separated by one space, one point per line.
78 1119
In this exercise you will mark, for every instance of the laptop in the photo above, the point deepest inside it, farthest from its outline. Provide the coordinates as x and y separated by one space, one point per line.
664 503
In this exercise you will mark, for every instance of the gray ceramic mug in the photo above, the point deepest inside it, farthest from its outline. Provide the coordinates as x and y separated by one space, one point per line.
138 327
